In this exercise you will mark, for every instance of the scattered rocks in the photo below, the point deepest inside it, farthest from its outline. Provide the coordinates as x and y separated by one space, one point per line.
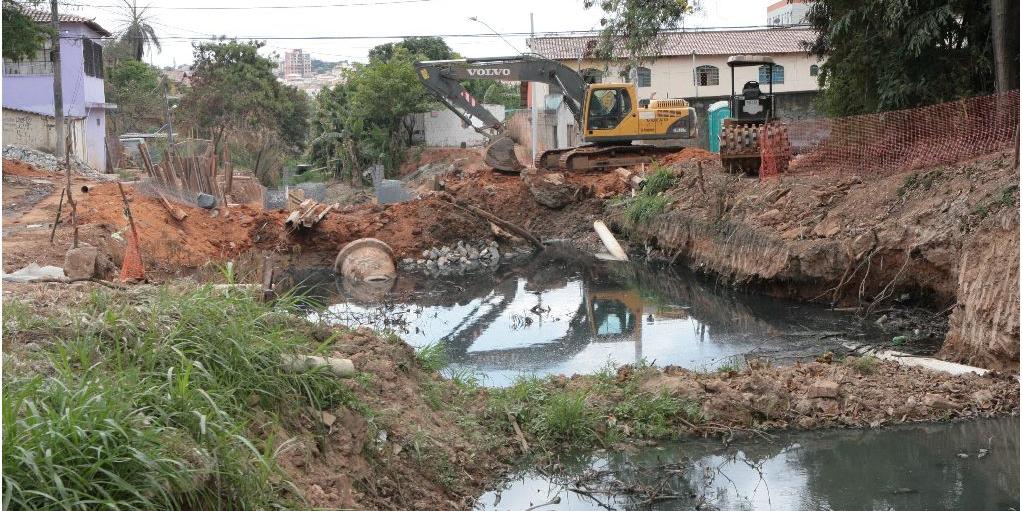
462 257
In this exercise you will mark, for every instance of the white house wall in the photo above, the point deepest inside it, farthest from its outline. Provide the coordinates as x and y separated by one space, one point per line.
34 131
671 77
442 128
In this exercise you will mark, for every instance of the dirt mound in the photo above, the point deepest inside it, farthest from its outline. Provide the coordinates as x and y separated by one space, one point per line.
459 159
407 452
688 153
860 393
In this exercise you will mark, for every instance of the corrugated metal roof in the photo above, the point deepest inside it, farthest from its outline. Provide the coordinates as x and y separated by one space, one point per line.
40 16
704 42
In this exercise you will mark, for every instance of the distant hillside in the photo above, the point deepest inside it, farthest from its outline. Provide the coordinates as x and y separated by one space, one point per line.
322 66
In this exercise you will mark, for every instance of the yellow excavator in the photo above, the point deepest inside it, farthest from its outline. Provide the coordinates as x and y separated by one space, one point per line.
617 128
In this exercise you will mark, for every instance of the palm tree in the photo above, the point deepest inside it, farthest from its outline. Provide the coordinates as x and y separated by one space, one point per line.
136 32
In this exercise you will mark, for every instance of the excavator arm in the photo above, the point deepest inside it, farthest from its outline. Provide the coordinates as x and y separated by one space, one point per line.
443 79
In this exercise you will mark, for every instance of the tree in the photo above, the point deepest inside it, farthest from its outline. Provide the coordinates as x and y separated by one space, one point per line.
234 92
136 31
889 54
22 36
635 26
137 90
424 48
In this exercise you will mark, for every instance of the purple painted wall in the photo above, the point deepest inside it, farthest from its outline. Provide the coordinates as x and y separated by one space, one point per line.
83 95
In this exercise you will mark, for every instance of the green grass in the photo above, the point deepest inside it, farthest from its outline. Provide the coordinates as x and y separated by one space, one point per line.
864 365
152 405
565 417
597 414
651 201
431 357
643 208
659 181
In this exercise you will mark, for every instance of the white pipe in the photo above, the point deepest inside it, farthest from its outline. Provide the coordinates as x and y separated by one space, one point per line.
609 241
907 359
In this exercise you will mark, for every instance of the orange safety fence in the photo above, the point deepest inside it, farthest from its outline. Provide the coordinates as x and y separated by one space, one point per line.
903 140
132 269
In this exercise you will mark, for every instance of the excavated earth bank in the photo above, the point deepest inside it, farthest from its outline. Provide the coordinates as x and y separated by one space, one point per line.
944 238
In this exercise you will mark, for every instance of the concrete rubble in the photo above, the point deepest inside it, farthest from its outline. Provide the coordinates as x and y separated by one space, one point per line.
47 161
462 258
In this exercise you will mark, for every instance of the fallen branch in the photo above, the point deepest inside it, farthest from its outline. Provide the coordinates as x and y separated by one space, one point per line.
493 218
518 433
56 221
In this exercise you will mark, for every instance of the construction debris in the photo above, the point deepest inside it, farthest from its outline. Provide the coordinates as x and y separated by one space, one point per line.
630 178
189 174
307 214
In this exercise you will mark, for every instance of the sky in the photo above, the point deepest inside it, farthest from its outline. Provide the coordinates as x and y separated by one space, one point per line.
364 23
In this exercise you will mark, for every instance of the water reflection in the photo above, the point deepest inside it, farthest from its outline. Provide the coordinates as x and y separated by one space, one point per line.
969 465
562 313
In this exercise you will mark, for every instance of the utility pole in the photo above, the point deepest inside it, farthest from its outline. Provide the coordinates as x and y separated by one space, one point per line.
170 117
58 93
998 9
535 100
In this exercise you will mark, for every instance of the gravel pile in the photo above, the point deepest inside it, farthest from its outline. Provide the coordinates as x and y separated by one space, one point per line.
47 161
462 257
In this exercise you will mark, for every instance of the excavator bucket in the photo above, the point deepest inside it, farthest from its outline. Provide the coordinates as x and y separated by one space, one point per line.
500 154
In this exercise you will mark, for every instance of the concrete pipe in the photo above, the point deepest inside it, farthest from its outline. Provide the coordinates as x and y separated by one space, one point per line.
367 268
366 260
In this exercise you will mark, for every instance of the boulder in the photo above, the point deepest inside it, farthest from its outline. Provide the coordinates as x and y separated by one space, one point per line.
80 263
549 189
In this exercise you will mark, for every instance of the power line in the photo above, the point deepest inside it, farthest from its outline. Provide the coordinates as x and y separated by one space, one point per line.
257 7
562 33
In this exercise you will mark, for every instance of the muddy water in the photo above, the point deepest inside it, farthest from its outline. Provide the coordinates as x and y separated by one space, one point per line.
562 313
931 467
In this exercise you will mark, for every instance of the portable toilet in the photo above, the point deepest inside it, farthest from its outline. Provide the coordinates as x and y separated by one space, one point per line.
717 113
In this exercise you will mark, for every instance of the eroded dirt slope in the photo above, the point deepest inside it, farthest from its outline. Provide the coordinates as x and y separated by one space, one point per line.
863 240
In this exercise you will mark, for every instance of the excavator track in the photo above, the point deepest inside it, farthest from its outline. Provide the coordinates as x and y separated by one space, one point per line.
551 158
594 157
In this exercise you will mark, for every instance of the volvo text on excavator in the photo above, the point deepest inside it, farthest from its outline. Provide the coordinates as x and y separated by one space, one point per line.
616 127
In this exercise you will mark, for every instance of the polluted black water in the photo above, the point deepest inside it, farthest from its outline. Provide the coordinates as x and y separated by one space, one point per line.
564 313
933 467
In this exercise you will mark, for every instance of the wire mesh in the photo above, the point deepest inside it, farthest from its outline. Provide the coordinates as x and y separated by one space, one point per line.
902 140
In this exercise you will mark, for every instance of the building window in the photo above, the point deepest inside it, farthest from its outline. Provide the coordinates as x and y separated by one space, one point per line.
39 64
707 75
92 53
764 74
814 70
591 75
644 78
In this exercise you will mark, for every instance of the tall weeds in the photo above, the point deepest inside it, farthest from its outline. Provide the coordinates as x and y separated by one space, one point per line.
152 405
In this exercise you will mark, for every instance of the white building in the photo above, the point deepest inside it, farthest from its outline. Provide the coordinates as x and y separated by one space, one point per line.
788 12
691 65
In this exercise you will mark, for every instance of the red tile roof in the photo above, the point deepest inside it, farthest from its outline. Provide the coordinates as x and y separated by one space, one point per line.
40 16
702 42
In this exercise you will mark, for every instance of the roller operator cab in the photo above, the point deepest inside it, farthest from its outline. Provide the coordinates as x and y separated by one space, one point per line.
753 127
613 113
